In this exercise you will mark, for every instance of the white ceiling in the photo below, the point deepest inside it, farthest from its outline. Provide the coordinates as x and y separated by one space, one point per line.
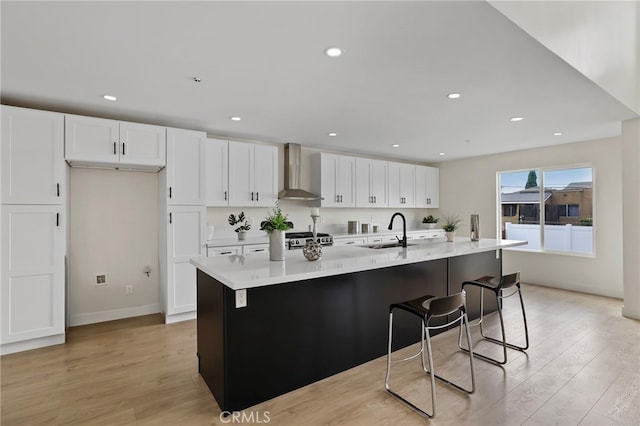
264 61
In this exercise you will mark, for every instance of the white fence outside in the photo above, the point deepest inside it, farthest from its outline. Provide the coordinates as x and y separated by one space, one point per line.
577 239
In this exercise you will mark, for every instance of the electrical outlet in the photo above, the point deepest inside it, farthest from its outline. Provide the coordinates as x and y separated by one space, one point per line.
241 298
101 279
128 289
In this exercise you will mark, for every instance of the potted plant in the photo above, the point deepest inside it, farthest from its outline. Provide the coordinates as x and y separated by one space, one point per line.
450 226
430 221
275 224
244 226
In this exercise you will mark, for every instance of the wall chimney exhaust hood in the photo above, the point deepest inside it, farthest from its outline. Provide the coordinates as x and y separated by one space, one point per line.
292 191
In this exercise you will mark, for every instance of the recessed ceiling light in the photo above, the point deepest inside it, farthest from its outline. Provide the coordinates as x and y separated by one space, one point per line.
395 145
333 52
109 97
454 95
557 134
516 118
467 140
235 118
332 134
441 154
197 79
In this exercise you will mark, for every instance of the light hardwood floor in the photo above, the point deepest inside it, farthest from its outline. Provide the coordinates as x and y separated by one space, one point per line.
583 368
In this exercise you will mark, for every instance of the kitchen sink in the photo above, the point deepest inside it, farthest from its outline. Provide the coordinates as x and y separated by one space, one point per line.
387 245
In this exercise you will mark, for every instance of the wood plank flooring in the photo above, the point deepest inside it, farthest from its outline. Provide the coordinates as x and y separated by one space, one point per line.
583 368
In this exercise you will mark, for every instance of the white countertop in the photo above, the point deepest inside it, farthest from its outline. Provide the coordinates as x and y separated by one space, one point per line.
256 270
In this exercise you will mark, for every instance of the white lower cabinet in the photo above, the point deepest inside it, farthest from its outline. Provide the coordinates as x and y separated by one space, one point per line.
186 227
33 276
255 248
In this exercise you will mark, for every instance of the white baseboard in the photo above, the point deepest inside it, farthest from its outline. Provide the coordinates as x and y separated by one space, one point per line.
115 314
27 345
185 316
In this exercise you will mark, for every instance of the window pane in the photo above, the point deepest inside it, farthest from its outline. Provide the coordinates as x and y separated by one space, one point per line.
569 210
521 221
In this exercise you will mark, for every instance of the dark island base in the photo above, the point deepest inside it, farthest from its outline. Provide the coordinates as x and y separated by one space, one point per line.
294 334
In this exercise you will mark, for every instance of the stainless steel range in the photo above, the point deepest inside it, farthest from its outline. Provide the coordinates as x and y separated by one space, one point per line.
295 240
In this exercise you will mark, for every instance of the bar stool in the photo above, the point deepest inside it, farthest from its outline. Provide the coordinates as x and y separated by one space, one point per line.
426 308
506 282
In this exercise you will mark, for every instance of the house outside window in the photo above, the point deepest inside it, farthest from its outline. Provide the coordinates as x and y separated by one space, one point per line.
558 218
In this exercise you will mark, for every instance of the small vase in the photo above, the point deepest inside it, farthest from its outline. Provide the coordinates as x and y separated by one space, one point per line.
242 235
276 245
450 236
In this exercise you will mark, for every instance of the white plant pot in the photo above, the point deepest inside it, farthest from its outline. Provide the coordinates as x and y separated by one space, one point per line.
450 236
242 235
276 245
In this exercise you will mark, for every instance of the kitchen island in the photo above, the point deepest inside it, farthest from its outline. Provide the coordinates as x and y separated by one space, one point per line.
304 321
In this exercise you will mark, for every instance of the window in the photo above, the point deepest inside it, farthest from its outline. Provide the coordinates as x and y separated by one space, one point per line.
509 210
550 208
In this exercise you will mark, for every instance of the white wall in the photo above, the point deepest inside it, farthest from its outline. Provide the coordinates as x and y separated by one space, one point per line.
113 229
469 186
631 216
601 39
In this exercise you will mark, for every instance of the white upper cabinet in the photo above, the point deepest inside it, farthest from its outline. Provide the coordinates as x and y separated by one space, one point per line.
32 157
185 172
217 171
99 142
334 178
253 174
427 187
371 183
401 185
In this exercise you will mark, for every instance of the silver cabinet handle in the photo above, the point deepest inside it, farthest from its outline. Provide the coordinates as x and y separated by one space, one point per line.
114 148
225 252
257 196
350 242
225 195
123 148
170 218
251 195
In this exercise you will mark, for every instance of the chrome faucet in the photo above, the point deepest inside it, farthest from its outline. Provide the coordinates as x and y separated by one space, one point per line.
403 241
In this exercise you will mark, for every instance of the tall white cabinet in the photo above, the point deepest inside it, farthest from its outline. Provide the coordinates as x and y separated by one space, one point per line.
182 221
217 172
33 182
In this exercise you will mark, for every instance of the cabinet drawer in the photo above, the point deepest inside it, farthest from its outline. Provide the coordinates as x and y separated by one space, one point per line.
350 241
223 251
255 248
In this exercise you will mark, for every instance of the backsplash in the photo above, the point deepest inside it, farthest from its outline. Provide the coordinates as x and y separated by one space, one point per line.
333 220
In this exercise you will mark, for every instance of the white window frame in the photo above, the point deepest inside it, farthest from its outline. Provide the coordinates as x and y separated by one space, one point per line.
541 171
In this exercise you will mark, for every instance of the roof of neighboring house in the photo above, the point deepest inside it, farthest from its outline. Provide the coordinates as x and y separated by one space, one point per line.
579 185
528 196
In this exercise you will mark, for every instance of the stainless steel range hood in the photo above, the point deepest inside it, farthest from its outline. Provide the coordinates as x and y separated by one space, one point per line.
292 191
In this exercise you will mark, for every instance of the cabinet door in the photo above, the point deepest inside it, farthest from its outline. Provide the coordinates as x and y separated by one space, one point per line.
265 177
241 174
346 181
217 167
407 185
90 139
421 186
32 278
185 239
364 195
328 180
142 145
32 157
433 187
378 184
185 167
394 185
